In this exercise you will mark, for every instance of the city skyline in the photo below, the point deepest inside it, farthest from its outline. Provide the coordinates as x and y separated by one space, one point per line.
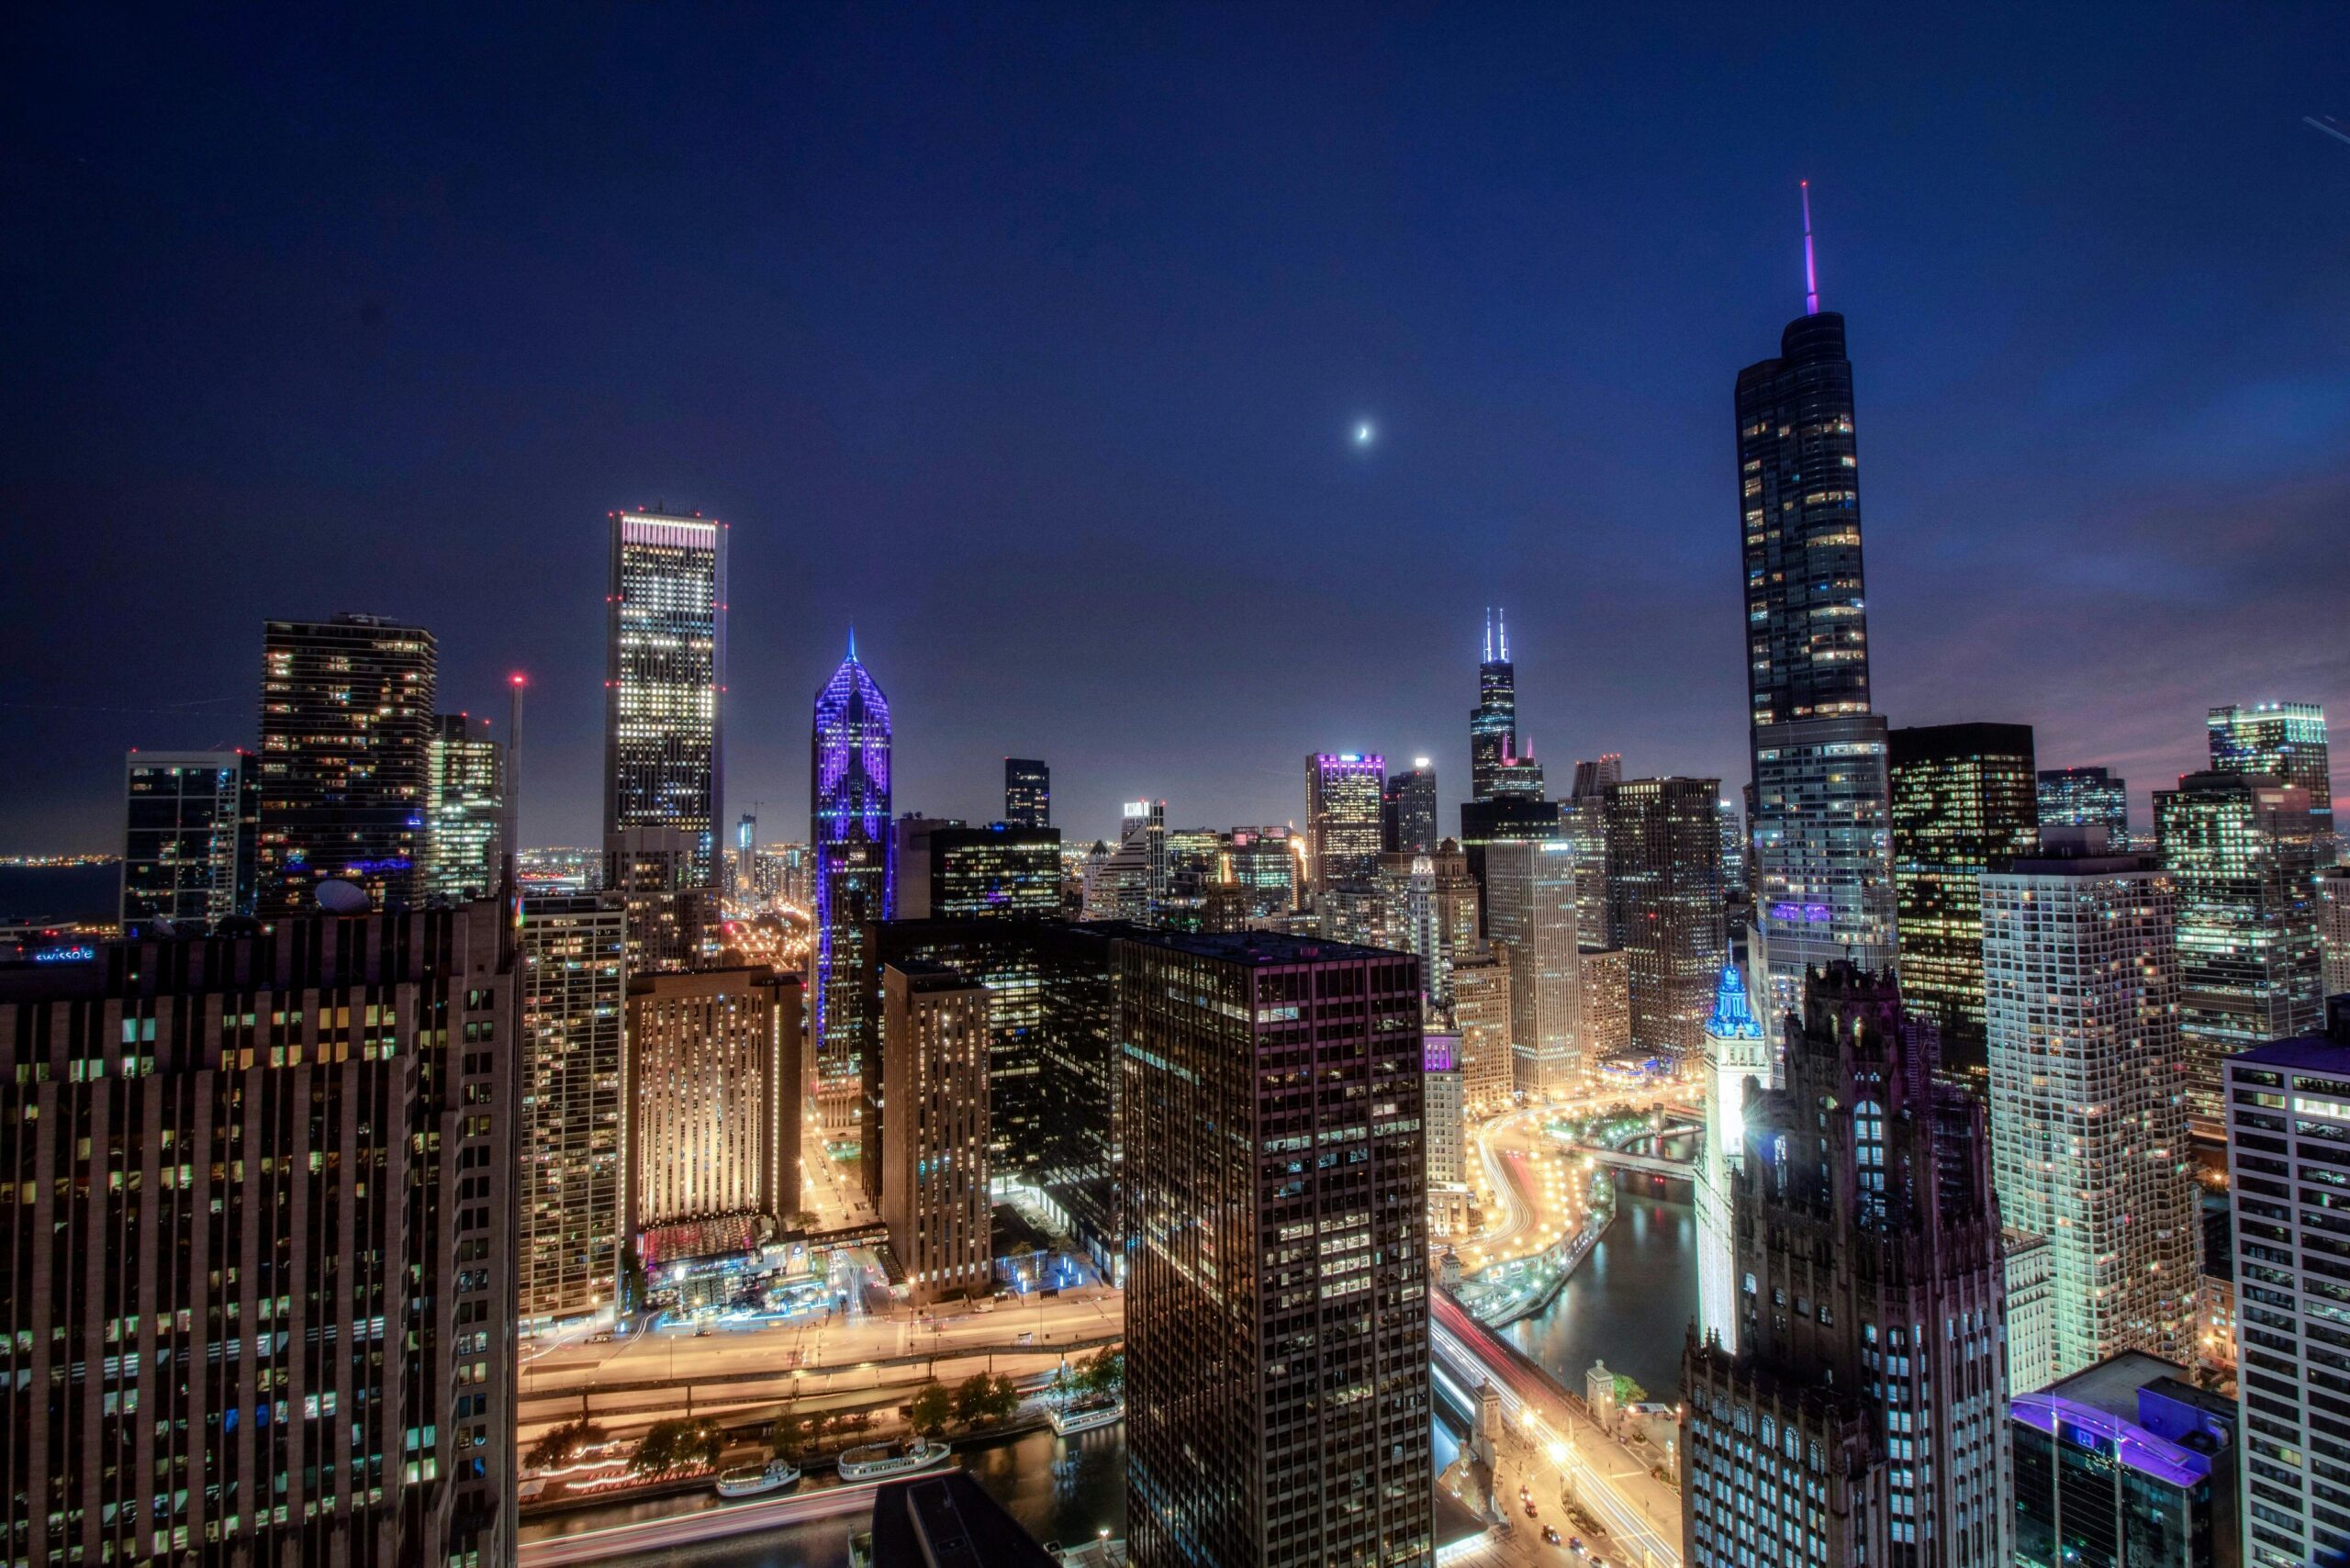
2185 519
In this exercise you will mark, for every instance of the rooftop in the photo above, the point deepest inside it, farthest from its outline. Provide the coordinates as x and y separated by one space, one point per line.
1262 947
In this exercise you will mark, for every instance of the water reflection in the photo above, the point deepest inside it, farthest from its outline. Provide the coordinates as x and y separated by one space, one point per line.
1631 1300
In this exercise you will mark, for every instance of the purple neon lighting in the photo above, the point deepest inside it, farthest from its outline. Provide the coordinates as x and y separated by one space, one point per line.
1810 272
2133 1444
1435 1053
851 803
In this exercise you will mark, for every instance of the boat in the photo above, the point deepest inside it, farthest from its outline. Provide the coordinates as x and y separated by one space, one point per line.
1070 1420
886 1461
758 1479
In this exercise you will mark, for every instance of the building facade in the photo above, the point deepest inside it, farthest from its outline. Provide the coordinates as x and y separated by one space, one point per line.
1342 797
933 1195
2084 797
2032 1311
1407 811
2333 929
464 810
2240 848
1428 907
1738 1052
346 721
855 881
2125 1464
1531 890
572 959
1964 797
1481 1018
188 838
1664 907
672 916
713 1118
1027 792
1863 1417
2288 1157
665 672
1823 850
1496 765
1277 1360
2088 1098
2284 740
260 1262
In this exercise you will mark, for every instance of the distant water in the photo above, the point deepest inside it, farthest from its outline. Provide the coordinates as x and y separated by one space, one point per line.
1630 1300
59 892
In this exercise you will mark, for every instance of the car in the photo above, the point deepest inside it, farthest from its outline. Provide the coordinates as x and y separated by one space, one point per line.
704 1331
1530 1510
1550 1534
1574 1544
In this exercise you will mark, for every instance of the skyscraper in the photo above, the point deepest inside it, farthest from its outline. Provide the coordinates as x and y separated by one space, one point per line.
1128 883
1429 910
1665 898
2086 797
933 1193
1407 811
346 718
948 871
2286 740
464 810
672 918
1481 1014
713 1105
2288 1114
1964 798
2241 848
1733 836
1495 768
188 838
1342 794
1822 880
1513 819
1531 890
1591 777
575 1000
262 1234
2087 1099
1277 1363
1863 1416
1027 792
665 670
855 875
1264 863
746 854
1736 1052
2334 930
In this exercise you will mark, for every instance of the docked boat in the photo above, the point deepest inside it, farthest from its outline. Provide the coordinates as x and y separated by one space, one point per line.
758 1479
1070 1420
886 1461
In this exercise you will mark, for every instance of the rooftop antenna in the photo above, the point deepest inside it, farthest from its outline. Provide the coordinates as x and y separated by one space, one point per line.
1810 269
1489 633
1500 620
852 642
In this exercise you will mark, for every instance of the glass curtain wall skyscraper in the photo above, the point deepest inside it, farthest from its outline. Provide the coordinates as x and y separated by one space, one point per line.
2287 741
1495 768
2086 797
1342 800
188 852
464 809
1823 877
664 669
1027 792
855 877
1407 811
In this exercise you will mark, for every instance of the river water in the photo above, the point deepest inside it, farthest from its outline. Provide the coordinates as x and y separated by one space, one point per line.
1632 1301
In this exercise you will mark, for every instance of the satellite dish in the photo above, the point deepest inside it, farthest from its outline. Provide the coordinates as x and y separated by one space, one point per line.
338 897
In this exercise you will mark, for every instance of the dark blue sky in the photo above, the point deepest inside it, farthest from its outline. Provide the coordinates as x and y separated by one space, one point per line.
1031 342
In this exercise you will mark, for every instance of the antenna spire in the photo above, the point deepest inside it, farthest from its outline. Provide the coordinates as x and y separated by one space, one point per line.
852 642
1489 633
1500 620
1810 269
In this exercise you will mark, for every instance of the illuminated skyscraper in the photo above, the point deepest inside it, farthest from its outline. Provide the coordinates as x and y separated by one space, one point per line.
933 1193
1128 883
1591 777
1495 768
1823 874
2284 740
1863 1416
1264 864
1964 799
1277 1317
1407 811
855 875
1342 795
1737 1050
188 854
346 721
1027 792
2087 1099
746 853
948 871
574 998
1531 890
464 810
1665 898
665 670
2086 797
1428 908
2241 848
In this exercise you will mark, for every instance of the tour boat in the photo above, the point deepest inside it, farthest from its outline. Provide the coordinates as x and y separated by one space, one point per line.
758 1480
1069 1421
886 1461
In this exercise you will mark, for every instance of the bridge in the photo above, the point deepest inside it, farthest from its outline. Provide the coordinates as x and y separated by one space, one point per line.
1642 1513
1619 1156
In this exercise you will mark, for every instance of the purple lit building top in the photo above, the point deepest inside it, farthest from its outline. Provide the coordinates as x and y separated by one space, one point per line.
1438 1052
2069 1420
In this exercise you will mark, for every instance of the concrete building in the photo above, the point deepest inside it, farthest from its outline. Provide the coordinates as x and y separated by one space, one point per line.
571 953
1738 1052
1481 1013
1342 807
2333 929
933 1193
2032 1311
1531 892
1027 792
1446 1120
2288 1156
262 1246
713 1131
2088 1096
1277 1354
1606 994
672 918
665 672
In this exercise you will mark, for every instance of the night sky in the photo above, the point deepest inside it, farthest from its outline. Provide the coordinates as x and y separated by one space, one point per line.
1034 343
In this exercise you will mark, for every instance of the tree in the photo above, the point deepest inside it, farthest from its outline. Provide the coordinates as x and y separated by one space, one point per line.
560 1445
972 1397
1004 1399
1628 1392
788 1438
1104 1371
930 1410
802 1220
678 1445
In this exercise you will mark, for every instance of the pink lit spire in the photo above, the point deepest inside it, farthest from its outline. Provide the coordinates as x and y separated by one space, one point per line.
1810 269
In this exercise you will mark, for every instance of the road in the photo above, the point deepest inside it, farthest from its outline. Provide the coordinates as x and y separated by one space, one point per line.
1641 1512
